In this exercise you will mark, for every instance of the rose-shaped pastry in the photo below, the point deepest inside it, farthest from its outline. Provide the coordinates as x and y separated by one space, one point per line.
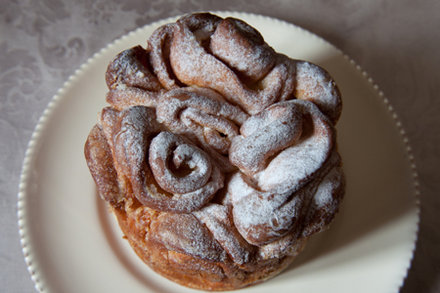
217 154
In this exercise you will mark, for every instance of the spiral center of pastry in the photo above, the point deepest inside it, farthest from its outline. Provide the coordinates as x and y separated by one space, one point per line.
177 166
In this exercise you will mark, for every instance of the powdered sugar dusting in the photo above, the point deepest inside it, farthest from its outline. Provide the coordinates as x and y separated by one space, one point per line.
194 66
158 45
327 198
275 133
131 68
217 220
130 137
261 217
314 84
324 194
242 49
264 135
286 245
293 166
184 233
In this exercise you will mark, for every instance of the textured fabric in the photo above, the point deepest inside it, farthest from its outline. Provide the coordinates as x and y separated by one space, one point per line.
396 42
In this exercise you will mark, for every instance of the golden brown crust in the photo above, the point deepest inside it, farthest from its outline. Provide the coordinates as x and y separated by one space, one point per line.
191 271
217 155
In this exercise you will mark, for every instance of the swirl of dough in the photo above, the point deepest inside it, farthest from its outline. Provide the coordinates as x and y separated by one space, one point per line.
130 80
159 45
194 65
131 134
264 135
232 58
183 170
274 221
262 217
204 116
284 146
244 50
297 164
313 83
142 149
203 113
177 166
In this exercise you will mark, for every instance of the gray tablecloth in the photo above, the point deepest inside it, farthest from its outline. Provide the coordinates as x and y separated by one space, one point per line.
396 42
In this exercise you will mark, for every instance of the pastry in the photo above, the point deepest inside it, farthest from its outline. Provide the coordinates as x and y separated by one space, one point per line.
216 154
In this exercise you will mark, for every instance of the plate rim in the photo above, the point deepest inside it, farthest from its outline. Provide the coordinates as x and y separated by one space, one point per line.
26 246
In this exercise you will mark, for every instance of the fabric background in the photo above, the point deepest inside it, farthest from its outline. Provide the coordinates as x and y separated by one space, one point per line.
397 42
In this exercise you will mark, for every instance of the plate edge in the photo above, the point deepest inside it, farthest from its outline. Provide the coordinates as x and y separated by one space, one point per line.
32 267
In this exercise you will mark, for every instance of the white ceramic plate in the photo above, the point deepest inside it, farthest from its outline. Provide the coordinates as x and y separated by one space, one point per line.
71 244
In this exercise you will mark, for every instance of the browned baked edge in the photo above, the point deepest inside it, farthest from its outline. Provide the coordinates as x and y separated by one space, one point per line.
207 276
